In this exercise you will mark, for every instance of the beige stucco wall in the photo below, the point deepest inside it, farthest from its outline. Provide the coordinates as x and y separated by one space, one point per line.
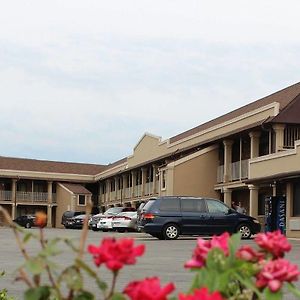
196 174
277 163
64 200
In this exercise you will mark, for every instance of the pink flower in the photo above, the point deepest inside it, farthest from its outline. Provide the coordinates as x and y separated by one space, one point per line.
249 254
274 242
204 246
115 254
148 289
202 294
275 272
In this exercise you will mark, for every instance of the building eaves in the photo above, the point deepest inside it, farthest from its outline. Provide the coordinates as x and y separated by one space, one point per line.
283 97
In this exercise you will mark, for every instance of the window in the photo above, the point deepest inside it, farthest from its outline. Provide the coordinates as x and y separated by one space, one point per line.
81 200
192 205
296 200
170 204
216 207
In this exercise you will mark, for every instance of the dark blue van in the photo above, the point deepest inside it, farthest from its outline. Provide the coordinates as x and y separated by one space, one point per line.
169 217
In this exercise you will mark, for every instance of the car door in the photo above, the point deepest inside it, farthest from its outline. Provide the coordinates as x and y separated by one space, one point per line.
220 217
194 216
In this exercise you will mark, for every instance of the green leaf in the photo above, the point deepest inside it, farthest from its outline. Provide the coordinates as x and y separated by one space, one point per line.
81 264
84 295
293 290
27 237
118 296
234 244
272 296
39 293
73 279
35 265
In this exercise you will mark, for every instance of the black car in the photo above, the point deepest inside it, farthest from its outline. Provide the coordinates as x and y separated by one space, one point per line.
169 217
26 221
69 214
75 222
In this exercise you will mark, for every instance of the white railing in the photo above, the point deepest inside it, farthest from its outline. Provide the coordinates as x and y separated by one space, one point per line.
157 186
239 170
291 134
220 174
112 195
32 197
5 195
137 190
148 188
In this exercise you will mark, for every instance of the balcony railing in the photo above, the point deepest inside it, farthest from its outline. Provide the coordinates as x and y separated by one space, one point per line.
239 171
34 197
5 195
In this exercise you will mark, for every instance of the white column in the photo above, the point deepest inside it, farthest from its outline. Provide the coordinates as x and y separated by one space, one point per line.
253 200
254 142
133 176
227 196
227 159
144 173
279 136
154 179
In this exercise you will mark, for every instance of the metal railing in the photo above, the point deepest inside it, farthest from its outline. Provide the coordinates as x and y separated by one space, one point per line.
239 171
291 134
34 197
5 195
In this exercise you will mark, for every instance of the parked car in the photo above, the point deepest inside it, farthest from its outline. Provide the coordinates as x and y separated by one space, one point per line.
67 215
76 222
26 221
169 217
125 221
95 223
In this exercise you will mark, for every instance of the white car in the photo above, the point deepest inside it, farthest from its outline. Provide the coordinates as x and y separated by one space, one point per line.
125 221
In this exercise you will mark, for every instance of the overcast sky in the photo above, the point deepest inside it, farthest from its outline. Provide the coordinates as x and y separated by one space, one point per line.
83 81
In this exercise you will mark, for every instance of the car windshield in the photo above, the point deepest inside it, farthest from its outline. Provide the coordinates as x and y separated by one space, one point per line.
148 204
113 210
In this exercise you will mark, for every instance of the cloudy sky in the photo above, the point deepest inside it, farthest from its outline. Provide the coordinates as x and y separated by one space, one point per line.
82 80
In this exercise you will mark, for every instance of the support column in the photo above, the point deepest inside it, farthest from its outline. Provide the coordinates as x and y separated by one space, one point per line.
154 179
227 160
254 142
49 207
227 196
133 183
144 173
253 200
116 186
13 198
289 201
49 215
279 136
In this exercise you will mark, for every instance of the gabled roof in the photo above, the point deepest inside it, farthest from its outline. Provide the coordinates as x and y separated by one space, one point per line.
76 188
290 114
34 165
283 97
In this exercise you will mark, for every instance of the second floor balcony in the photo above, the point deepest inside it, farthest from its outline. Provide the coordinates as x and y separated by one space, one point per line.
26 197
239 171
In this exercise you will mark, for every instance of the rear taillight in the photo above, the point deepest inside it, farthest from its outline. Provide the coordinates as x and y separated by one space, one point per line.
148 216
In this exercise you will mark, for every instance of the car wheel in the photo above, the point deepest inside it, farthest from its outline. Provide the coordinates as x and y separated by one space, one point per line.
244 230
27 225
171 232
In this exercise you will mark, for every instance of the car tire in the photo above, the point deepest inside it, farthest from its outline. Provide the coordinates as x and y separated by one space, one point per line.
27 225
171 232
245 231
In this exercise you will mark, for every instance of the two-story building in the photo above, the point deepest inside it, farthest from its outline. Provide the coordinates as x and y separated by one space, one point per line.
245 155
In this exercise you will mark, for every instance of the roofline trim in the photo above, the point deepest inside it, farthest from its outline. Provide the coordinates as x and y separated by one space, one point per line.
274 105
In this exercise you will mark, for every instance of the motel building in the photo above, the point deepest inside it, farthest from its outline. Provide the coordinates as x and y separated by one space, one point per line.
249 155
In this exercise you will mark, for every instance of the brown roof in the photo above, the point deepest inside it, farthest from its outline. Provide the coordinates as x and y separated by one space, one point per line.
283 97
24 164
290 114
76 188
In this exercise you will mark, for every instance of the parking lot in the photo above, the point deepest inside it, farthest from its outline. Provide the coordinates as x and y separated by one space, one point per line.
162 258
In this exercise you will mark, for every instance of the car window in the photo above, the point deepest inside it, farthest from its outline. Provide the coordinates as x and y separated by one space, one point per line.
170 204
216 206
193 205
148 205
